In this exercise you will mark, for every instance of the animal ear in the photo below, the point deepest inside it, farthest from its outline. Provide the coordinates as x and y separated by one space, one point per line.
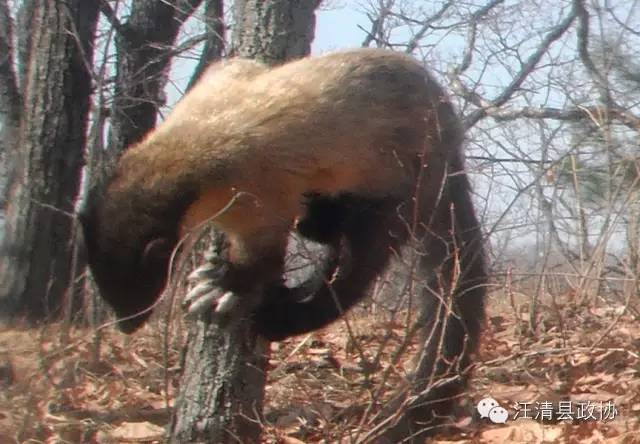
157 250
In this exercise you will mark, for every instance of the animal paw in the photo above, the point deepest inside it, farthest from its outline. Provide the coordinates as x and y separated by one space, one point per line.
207 293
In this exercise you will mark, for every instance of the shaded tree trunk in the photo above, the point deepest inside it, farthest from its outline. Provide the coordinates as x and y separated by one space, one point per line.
48 154
222 389
215 37
144 50
10 103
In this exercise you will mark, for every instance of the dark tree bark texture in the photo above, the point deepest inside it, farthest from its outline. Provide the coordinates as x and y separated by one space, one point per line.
222 389
10 100
222 394
36 249
144 48
215 40
274 31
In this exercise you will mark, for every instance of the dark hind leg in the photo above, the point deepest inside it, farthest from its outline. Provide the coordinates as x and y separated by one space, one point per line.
323 223
370 230
324 219
454 311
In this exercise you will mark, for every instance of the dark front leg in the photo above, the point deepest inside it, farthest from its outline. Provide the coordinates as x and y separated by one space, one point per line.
325 218
371 229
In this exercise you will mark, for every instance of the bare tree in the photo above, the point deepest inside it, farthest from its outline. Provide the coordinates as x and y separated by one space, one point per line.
144 50
45 111
560 81
46 104
222 389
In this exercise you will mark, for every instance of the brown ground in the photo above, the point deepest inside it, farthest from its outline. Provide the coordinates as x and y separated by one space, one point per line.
52 390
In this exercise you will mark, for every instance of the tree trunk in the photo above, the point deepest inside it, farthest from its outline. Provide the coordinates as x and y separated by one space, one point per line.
222 389
222 393
10 104
215 41
144 50
274 31
34 267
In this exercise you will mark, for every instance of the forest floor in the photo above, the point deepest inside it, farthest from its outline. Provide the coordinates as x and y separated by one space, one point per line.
577 380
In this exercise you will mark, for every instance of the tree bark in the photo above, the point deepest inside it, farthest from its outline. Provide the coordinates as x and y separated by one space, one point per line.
144 50
222 390
215 41
222 387
222 394
274 31
10 102
36 249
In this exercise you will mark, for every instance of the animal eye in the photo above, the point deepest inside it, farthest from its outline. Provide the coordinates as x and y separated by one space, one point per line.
158 249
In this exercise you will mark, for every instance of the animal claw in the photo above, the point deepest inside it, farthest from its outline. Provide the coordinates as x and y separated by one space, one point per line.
198 291
203 303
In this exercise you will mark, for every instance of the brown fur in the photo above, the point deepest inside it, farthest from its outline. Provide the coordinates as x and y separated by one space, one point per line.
247 145
362 147
279 134
351 122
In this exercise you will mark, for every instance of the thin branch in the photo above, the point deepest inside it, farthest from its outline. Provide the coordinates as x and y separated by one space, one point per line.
494 159
625 117
583 49
413 43
377 24
112 18
471 36
624 24
526 69
214 39
186 45
184 8
529 65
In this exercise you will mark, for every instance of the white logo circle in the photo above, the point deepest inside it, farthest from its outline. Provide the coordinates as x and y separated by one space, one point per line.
485 406
498 415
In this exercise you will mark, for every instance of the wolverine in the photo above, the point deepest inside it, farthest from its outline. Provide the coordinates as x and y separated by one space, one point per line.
360 150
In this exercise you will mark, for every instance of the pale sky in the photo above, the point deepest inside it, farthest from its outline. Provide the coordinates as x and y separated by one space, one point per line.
337 27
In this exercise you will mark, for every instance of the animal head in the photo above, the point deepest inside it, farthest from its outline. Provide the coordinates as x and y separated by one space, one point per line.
129 237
